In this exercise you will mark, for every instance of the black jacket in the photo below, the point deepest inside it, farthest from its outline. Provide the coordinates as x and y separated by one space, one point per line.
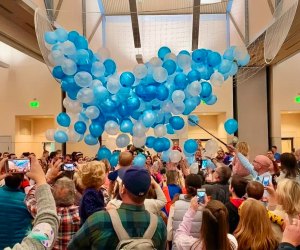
233 217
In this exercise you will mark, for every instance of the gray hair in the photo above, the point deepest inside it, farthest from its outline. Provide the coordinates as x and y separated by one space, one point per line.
64 192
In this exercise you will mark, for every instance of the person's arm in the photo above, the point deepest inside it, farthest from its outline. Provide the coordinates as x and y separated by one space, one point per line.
245 162
46 221
170 224
30 201
161 200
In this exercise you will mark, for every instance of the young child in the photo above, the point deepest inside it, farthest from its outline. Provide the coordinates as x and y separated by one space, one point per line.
238 168
91 176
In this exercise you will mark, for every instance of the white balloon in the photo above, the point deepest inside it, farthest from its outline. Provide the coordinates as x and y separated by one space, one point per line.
160 130
92 112
50 134
155 62
217 79
175 156
211 147
139 141
103 53
111 127
139 129
140 71
160 74
73 136
194 168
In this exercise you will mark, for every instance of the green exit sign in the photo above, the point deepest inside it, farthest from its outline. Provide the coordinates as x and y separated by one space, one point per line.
34 104
297 99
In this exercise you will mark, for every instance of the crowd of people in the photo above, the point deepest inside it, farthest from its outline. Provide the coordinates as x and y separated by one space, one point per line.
76 202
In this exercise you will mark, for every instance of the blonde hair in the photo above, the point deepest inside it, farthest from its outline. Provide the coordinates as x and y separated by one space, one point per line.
92 174
288 195
254 230
243 148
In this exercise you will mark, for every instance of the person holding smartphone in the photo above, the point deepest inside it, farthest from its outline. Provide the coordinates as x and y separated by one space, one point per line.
214 223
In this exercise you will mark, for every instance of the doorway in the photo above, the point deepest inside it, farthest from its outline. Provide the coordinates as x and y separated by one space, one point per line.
287 144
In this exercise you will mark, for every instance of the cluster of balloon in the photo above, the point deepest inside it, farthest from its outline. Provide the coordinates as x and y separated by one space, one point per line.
154 95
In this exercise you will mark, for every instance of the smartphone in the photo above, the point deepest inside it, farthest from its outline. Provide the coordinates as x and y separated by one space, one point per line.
17 166
266 181
201 192
204 163
68 167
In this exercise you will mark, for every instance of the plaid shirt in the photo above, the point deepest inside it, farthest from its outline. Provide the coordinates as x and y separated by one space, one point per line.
98 233
69 220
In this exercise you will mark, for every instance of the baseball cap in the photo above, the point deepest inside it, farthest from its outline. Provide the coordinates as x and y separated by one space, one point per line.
137 181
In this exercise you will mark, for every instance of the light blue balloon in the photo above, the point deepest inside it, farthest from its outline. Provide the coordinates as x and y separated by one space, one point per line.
139 160
229 53
85 95
225 66
194 118
126 126
234 69
98 69
122 140
50 37
231 126
82 57
103 153
148 118
69 48
245 61
165 156
61 136
211 100
170 130
90 140
92 112
61 34
83 79
100 92
63 119
190 146
69 67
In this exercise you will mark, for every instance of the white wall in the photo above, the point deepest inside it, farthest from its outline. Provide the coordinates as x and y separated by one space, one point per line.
284 89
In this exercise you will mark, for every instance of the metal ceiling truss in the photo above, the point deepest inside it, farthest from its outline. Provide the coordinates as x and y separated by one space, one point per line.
196 21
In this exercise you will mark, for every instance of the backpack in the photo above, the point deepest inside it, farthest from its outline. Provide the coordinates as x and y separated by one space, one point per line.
126 242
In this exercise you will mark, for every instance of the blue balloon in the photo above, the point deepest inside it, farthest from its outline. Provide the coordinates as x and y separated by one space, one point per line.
108 106
110 66
199 55
170 130
126 126
148 118
82 57
234 69
58 73
225 66
158 145
184 52
162 52
81 42
127 79
231 126
133 103
104 153
206 89
205 71
190 146
90 140
190 159
170 66
150 140
123 110
96 129
213 59
193 75
60 136
139 160
80 127
177 122
194 118
63 119
180 81
114 159
166 143
245 61
162 93
72 36
190 105
150 93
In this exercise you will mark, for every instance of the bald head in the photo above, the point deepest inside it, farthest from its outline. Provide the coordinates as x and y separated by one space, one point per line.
125 159
262 164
